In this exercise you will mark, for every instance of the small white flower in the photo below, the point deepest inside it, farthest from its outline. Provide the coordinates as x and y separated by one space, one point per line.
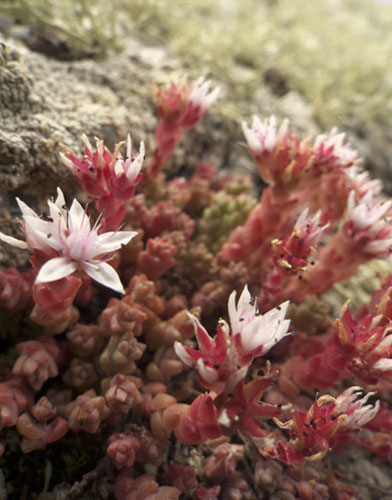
369 219
309 227
355 411
264 136
256 329
200 94
78 246
367 212
131 166
335 140
361 181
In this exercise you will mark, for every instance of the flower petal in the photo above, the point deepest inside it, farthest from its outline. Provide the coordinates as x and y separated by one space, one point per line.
25 209
77 218
104 274
10 240
60 200
40 230
55 269
383 364
111 241
182 353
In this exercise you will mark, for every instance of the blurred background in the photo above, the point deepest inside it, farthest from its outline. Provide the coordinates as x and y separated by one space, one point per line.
337 53
329 60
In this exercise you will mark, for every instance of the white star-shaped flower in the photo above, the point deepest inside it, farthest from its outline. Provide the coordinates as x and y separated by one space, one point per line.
254 329
68 233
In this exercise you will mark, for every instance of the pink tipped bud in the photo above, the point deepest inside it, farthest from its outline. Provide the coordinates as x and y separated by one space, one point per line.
37 361
123 394
122 449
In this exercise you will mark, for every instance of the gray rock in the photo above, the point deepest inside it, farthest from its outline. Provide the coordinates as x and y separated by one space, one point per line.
45 102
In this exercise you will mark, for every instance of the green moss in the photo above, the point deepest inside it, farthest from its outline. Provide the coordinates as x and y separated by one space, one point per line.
85 27
334 52
221 217
359 288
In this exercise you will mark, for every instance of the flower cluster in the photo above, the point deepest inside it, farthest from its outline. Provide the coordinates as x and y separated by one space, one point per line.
192 381
223 361
327 425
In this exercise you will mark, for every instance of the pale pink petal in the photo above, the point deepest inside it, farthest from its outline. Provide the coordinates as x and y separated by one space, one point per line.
210 375
266 330
383 364
59 217
78 219
26 210
10 240
347 397
243 311
204 340
42 230
104 274
251 138
55 269
384 344
129 146
378 246
111 241
182 353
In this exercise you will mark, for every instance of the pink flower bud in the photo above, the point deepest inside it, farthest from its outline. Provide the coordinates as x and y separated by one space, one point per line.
93 170
37 361
165 216
157 258
36 435
15 289
223 462
182 477
126 173
87 412
15 397
122 316
43 410
85 339
122 449
200 422
120 354
183 105
123 393
80 374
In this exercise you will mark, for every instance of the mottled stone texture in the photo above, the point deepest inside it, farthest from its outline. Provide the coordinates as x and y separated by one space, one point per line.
44 102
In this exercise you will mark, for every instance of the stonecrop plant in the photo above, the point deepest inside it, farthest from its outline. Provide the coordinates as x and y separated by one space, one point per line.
204 361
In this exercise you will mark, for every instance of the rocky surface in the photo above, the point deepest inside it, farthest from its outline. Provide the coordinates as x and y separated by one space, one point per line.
45 102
